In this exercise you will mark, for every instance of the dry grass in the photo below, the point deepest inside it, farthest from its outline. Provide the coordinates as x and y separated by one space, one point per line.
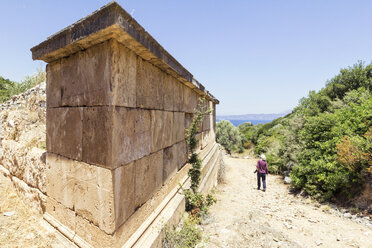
23 228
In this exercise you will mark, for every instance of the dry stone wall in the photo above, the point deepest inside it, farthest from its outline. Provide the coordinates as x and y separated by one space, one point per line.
22 145
117 109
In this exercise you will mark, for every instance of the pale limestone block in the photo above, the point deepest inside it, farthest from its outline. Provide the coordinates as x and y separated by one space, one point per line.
149 86
64 131
206 122
124 192
148 177
178 126
93 234
61 189
53 84
85 188
64 215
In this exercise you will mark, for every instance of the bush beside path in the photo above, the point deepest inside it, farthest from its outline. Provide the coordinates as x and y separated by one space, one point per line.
247 217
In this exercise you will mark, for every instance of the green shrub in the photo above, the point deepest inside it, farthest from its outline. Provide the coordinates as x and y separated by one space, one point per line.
228 135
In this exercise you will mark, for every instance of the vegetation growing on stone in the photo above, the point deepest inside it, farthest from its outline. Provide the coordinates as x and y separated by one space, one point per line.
196 203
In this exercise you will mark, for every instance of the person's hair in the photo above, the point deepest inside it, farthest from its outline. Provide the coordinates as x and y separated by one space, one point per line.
263 157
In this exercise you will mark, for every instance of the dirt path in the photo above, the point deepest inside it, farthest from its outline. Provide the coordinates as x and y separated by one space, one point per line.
247 217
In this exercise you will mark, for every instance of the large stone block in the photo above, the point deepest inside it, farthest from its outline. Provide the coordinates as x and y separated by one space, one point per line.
64 132
178 126
174 158
124 192
53 84
161 129
131 135
114 136
123 75
178 96
97 135
169 88
104 74
181 154
170 166
148 177
85 188
149 86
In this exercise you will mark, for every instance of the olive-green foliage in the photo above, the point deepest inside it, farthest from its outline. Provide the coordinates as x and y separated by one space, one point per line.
188 235
196 203
228 135
321 135
6 87
10 88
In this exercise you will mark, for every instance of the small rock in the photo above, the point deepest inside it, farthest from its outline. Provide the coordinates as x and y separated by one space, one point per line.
313 221
275 239
30 236
287 180
246 157
318 242
10 123
347 215
8 214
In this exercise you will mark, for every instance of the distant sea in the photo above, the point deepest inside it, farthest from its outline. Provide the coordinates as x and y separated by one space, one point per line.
254 122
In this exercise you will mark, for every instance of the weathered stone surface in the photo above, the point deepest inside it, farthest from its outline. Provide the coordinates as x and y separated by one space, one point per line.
97 135
206 123
178 127
124 192
181 154
123 75
148 176
161 129
114 136
169 89
178 95
32 197
131 135
85 188
149 86
64 132
174 158
170 166
86 77
54 84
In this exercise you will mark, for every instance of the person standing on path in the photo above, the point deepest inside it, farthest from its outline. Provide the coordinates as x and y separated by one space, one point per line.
262 171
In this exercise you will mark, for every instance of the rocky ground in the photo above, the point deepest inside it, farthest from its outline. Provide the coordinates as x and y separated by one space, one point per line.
247 217
22 227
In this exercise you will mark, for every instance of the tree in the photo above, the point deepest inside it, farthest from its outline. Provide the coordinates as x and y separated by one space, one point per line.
228 135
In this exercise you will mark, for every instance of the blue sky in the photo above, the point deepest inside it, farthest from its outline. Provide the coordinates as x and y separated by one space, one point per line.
254 56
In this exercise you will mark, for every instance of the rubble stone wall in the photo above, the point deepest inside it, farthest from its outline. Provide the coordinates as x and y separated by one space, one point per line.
22 145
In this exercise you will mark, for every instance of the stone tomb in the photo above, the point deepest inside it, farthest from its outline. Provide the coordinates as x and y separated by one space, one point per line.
117 108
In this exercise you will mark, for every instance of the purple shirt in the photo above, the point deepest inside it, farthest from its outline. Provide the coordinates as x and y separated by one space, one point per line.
262 167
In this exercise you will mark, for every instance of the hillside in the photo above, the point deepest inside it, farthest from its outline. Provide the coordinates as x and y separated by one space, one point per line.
325 144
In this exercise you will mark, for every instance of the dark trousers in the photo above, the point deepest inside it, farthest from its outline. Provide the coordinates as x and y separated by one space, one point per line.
259 176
